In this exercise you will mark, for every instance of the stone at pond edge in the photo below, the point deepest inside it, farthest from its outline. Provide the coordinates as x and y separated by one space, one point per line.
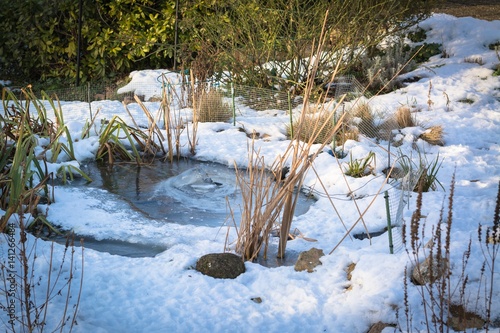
221 265
379 327
308 260
422 273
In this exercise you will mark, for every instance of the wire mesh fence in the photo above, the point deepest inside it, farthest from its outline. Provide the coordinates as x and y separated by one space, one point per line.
378 128
90 92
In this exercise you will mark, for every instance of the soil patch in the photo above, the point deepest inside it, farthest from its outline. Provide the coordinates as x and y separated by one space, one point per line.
481 9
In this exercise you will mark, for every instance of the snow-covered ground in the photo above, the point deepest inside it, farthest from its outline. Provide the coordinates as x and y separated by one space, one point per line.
165 294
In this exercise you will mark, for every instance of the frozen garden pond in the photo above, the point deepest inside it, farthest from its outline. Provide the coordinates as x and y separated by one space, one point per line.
186 192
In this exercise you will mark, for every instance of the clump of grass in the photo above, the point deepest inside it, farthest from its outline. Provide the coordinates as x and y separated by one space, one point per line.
258 217
404 118
145 139
316 125
270 197
360 167
27 297
433 135
212 108
111 144
364 118
428 177
345 133
426 171
23 177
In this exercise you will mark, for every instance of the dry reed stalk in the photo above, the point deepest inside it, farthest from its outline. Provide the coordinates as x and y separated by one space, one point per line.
153 130
267 200
152 123
361 215
94 117
128 112
165 106
258 213
175 121
330 199
300 153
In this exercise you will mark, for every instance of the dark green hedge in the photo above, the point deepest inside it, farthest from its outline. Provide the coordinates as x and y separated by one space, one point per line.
38 38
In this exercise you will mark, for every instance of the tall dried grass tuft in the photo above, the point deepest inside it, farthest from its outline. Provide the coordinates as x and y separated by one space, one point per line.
404 117
211 107
445 294
345 133
431 275
193 137
365 120
433 135
318 124
270 199
490 247
259 217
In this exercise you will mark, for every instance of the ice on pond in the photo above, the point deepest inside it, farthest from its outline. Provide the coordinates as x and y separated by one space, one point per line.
141 200
206 187
183 192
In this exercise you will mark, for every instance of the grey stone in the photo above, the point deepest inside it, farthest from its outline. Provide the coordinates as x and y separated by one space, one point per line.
308 260
221 265
379 327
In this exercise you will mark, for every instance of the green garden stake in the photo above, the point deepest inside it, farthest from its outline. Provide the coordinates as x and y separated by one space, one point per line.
389 226
290 113
88 93
334 139
234 107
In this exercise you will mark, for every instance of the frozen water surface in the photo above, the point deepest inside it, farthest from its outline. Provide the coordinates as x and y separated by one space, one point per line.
184 192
